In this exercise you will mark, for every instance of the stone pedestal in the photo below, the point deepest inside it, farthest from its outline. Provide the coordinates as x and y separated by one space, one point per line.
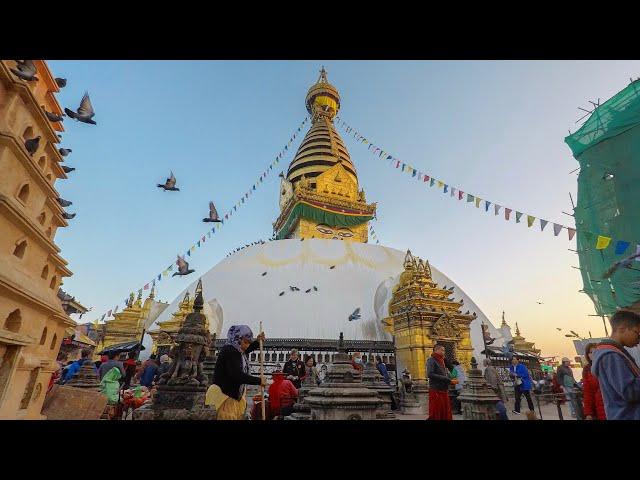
301 409
86 377
372 379
73 403
177 402
477 397
208 367
343 396
421 391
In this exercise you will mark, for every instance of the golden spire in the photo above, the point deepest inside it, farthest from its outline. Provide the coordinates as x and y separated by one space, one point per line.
504 322
152 295
131 299
517 330
323 99
185 301
409 262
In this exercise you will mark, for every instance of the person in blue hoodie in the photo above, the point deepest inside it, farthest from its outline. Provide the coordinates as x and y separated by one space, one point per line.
521 383
616 370
75 366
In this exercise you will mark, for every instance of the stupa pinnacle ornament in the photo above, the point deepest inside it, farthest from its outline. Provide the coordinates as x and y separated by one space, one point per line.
320 197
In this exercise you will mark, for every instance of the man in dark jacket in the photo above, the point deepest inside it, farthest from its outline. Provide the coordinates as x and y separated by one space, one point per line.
232 373
439 404
109 364
616 370
294 369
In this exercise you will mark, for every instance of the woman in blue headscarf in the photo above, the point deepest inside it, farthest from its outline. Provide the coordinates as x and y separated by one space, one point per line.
231 374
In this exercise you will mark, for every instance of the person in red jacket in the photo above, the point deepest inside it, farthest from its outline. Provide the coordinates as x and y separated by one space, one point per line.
282 395
593 402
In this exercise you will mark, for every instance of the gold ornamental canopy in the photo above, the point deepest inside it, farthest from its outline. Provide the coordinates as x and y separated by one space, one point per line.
323 98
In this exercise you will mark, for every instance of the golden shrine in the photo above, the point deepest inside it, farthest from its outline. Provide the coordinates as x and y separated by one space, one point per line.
163 336
422 314
521 345
127 326
319 197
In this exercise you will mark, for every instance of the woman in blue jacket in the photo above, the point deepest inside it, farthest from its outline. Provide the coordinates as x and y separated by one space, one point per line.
521 383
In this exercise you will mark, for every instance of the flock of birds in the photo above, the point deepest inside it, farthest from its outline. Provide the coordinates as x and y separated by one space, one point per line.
26 70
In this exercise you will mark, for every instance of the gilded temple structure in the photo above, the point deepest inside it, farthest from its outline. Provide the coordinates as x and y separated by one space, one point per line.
128 325
521 345
320 197
422 314
32 319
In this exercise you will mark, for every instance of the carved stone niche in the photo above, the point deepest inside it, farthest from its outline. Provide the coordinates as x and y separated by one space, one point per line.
446 327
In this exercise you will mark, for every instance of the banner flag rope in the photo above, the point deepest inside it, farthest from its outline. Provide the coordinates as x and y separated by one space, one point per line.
601 241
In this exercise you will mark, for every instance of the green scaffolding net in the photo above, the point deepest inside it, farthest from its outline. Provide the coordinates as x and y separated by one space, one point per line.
607 146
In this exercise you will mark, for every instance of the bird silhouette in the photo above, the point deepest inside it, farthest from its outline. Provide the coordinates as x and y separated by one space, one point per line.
26 70
302 239
355 315
53 117
61 82
32 145
64 203
85 111
540 303
64 151
332 267
624 263
559 329
315 288
264 273
307 291
213 214
67 169
281 293
170 184
183 267
281 175
68 216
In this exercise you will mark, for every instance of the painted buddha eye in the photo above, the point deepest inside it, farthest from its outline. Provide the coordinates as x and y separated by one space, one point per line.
345 234
326 231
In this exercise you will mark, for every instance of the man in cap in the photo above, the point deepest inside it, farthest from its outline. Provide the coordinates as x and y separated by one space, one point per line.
567 383
294 368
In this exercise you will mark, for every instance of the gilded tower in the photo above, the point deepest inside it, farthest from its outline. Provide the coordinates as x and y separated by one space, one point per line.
128 325
422 314
32 319
319 196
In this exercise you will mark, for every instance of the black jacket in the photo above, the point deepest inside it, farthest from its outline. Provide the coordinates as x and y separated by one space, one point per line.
297 369
228 374
438 376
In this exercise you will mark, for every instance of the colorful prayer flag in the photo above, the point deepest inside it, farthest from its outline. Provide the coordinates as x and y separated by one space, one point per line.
433 180
530 220
397 163
507 213
478 199
496 209
486 205
159 277
403 165
621 246
414 172
460 194
571 232
469 198
389 157
603 242
556 229
518 216
426 178
440 184
165 273
453 191
543 223
446 187
146 287
108 313
188 253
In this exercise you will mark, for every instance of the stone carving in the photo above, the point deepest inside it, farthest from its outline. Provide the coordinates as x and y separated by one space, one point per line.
446 327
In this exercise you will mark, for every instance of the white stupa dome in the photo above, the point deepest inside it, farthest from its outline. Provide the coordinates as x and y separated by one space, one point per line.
363 277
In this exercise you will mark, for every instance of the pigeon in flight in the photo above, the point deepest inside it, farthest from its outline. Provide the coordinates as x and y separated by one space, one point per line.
626 263
281 175
170 184
281 293
68 216
213 214
315 288
61 82
64 203
264 273
85 111
67 169
307 291
53 117
26 70
183 267
355 315
64 151
559 329
332 267
293 289
32 145
540 303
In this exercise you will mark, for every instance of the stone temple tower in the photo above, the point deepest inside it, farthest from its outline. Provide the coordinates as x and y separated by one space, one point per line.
320 196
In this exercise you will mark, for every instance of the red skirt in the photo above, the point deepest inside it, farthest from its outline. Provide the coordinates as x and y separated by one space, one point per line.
439 405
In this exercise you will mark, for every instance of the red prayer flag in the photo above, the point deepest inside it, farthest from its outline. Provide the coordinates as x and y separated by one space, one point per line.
571 232
507 212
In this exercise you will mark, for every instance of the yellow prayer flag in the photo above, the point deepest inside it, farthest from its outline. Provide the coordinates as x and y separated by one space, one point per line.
165 273
440 184
193 248
603 242
530 220
478 200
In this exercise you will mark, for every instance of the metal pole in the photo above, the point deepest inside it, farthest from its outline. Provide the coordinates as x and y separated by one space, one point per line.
264 415
605 325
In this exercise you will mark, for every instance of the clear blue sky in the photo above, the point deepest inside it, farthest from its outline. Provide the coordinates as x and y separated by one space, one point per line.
492 128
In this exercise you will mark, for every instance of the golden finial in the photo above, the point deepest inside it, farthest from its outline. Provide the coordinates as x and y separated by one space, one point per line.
185 301
131 299
323 76
517 330
408 260
420 266
427 268
504 322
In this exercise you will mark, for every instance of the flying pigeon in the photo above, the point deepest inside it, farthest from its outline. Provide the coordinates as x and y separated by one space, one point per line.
67 169
26 70
281 293
68 216
540 303
170 184
183 267
32 145
64 151
302 239
626 263
307 291
315 288
213 214
559 329
264 274
293 289
85 111
64 203
332 267
281 175
53 117
355 315
61 82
